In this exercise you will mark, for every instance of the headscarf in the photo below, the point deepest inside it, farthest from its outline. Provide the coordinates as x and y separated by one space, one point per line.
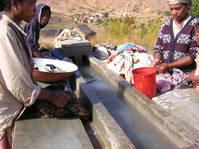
179 1
32 29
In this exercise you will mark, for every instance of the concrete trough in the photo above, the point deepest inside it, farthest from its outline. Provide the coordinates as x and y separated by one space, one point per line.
108 132
75 47
179 132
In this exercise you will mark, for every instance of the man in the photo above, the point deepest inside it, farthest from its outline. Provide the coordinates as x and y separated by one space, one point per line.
194 76
17 89
175 47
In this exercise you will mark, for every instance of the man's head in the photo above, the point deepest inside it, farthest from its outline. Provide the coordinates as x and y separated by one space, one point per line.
179 9
20 9
44 15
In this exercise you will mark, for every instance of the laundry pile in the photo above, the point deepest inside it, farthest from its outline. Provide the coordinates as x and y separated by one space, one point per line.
124 58
68 34
167 81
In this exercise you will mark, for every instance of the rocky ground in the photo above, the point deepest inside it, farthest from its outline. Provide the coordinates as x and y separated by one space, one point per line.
66 12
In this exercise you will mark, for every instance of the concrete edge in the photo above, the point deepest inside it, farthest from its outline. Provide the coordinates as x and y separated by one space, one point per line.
109 131
178 132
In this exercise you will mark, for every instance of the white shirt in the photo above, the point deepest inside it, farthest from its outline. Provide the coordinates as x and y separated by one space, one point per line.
177 29
17 90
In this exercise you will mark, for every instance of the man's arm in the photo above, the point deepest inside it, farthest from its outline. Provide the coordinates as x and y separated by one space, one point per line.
37 54
58 98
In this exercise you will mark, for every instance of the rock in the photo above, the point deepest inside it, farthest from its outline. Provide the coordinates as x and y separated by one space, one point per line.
84 31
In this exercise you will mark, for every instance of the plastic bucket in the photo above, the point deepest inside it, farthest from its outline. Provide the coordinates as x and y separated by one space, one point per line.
145 80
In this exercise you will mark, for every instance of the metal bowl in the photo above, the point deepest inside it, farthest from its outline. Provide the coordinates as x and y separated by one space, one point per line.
67 70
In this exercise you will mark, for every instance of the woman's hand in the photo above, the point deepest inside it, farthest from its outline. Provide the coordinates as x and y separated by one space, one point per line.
155 62
192 77
162 68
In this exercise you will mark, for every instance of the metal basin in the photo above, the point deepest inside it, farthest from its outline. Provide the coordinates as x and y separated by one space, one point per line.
50 70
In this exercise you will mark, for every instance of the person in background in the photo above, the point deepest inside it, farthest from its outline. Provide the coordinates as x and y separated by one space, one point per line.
32 29
17 88
175 47
194 76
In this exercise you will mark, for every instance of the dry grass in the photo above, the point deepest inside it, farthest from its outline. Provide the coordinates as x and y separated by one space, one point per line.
129 30
47 42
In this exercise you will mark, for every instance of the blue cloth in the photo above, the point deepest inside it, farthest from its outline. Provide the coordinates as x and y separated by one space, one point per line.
58 53
124 47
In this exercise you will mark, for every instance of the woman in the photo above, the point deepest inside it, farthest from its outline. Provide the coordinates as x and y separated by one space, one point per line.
175 47
194 76
17 89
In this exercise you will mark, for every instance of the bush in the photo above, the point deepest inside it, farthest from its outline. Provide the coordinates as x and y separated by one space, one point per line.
195 8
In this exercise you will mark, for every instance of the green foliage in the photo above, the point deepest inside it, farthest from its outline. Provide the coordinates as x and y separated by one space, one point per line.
195 8
164 13
99 21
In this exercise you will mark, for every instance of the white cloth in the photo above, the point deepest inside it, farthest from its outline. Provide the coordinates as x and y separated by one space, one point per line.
179 1
177 29
17 90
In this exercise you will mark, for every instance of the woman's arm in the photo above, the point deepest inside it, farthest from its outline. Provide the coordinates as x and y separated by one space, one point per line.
162 68
158 49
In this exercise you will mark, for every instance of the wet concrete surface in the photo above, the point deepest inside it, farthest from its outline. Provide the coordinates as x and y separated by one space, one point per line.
140 131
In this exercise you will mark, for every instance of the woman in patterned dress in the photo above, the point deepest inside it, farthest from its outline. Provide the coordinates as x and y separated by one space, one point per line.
175 47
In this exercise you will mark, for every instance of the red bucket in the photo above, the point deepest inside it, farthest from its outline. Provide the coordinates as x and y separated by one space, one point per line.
145 80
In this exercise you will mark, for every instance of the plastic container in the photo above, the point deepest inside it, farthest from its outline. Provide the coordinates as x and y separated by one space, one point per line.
145 80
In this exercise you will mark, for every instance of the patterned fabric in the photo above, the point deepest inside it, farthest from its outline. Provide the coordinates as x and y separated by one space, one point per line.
179 1
179 47
167 81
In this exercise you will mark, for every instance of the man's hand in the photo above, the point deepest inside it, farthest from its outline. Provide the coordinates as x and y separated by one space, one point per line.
37 54
60 99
